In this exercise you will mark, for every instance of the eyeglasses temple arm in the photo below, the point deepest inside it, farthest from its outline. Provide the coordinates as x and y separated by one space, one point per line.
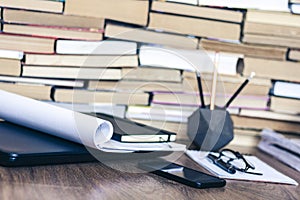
220 163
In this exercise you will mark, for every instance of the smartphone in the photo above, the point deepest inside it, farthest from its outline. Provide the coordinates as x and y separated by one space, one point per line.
183 174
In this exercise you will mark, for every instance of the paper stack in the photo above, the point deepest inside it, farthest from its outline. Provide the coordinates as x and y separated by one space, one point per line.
281 148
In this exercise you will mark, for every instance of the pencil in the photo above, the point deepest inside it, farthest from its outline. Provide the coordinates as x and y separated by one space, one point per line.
214 83
239 89
200 90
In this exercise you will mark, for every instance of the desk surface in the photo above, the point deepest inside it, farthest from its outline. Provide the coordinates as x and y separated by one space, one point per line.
97 181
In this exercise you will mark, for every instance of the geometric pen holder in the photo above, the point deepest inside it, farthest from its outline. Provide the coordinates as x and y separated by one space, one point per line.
209 129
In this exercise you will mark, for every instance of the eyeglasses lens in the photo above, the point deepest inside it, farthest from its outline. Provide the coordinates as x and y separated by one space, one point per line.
239 164
235 159
229 154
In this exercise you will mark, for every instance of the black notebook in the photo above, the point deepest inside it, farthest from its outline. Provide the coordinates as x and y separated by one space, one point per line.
129 131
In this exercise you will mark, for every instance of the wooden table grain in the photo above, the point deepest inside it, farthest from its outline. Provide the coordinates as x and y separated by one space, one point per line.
98 181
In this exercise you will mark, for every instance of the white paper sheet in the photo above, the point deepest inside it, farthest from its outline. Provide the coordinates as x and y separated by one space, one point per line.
57 121
113 146
269 174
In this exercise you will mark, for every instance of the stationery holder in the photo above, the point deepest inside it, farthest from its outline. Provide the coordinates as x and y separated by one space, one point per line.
210 130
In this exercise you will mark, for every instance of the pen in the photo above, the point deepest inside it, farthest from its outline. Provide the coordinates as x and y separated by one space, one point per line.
239 89
200 90
220 163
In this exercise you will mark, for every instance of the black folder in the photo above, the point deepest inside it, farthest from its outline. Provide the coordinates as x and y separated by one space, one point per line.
21 146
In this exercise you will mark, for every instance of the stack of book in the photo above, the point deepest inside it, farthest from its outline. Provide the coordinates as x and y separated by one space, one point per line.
278 30
49 55
254 108
269 45
137 59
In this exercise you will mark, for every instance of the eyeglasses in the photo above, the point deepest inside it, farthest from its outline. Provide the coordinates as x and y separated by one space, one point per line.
232 161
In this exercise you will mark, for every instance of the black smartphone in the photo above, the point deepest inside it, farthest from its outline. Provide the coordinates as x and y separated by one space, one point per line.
183 174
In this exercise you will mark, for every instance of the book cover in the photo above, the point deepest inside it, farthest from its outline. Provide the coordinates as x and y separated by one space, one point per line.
197 11
53 31
188 60
195 26
272 69
192 99
46 6
286 89
130 11
106 47
149 36
51 19
26 43
128 131
258 51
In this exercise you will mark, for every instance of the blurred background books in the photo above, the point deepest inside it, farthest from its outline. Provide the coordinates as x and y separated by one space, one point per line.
113 56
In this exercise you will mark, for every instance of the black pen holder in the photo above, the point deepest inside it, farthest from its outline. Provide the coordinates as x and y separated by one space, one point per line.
210 130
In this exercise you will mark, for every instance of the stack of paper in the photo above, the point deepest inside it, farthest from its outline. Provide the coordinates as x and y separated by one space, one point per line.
269 174
284 149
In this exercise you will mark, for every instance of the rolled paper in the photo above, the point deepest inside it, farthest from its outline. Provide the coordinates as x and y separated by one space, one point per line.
57 121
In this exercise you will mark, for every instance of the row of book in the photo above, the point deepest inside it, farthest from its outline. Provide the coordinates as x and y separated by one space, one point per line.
141 56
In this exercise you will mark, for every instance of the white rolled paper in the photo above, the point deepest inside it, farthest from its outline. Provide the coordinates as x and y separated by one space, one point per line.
57 121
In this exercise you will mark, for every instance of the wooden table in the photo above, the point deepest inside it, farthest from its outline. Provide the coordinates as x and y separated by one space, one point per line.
98 181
